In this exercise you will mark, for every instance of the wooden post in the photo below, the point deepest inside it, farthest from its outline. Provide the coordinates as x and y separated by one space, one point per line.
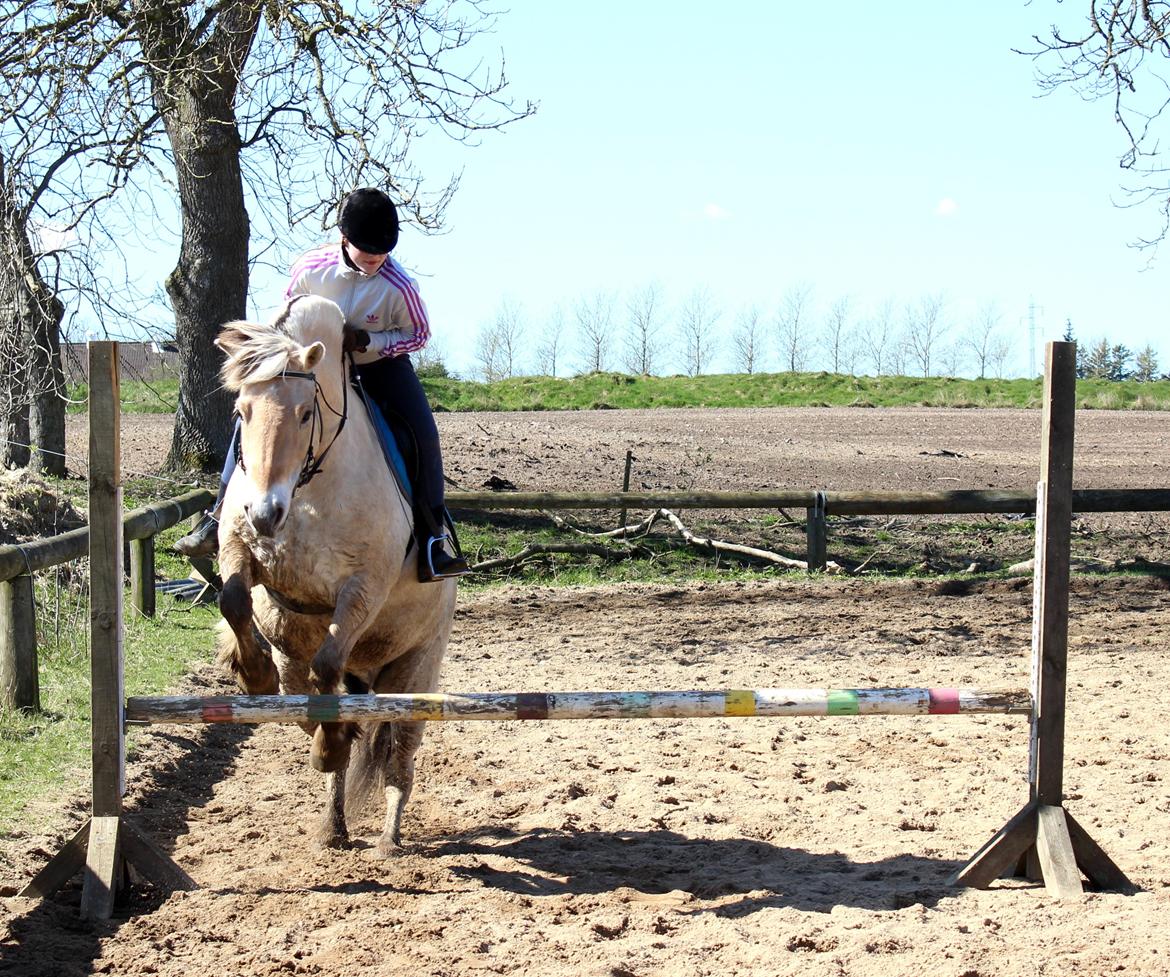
1042 833
626 483
816 531
19 681
105 630
107 840
142 575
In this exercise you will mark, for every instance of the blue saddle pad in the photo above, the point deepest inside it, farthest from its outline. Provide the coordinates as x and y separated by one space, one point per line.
390 449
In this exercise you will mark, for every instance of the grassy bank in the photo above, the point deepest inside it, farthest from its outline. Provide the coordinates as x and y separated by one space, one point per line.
600 391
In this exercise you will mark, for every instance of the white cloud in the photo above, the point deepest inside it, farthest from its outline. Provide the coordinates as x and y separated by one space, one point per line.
946 207
715 212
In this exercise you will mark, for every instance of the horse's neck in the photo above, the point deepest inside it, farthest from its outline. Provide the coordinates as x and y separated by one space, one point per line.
356 450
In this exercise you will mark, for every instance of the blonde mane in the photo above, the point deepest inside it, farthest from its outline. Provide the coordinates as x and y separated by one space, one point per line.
257 351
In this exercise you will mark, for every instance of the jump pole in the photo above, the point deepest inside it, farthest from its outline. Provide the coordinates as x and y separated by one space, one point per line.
1043 838
107 844
508 706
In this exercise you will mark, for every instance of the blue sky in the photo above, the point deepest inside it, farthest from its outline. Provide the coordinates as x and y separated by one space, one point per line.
875 151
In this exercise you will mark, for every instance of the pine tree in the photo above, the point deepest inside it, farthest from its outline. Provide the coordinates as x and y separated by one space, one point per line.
1146 365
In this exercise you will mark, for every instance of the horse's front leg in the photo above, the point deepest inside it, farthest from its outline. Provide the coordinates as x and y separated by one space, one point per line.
353 613
253 666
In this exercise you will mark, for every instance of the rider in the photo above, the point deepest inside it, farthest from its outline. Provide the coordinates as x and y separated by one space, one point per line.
385 320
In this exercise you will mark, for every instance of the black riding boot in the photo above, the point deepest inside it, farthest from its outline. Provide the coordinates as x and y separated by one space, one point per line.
203 540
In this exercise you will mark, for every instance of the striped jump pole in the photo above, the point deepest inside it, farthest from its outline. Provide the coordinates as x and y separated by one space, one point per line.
503 706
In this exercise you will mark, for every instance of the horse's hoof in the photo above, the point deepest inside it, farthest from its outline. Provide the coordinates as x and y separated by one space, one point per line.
389 847
330 751
332 839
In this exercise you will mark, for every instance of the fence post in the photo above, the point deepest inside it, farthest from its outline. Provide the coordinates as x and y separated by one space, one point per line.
626 483
142 575
19 682
817 532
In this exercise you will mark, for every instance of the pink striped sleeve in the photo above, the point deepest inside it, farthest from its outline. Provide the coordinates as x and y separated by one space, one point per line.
416 311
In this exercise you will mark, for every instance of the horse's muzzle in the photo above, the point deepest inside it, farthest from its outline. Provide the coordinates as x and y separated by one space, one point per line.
266 516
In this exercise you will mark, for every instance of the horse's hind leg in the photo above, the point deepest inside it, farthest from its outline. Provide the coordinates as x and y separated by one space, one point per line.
399 782
417 671
332 831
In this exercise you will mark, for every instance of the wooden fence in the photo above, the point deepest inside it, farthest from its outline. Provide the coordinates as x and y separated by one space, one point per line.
819 505
19 683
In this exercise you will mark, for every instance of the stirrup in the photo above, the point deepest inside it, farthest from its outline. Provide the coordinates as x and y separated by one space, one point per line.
426 561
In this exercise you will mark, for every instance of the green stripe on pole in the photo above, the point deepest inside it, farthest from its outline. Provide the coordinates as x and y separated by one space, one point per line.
842 702
323 708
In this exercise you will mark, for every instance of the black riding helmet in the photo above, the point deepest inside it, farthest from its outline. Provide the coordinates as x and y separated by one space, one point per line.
369 221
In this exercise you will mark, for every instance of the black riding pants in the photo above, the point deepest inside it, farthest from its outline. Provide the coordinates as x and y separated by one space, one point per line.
393 385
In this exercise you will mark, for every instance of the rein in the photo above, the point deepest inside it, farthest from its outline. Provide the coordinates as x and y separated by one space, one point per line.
313 462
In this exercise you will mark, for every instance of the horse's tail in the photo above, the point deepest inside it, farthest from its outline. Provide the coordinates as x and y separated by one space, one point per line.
368 764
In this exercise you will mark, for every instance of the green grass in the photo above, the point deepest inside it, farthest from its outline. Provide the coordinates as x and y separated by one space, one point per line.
45 756
600 391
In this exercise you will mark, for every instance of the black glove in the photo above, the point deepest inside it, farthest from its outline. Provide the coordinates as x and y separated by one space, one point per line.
354 340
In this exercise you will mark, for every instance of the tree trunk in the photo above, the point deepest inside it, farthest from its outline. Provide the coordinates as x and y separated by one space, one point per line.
209 285
48 382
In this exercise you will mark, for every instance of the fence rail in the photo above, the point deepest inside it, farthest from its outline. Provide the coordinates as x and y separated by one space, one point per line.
19 682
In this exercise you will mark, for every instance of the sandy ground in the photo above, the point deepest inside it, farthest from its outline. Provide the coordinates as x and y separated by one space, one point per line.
811 846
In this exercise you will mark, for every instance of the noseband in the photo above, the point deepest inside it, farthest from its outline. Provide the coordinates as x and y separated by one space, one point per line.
313 462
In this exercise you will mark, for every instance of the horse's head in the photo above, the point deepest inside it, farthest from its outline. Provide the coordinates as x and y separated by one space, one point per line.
281 373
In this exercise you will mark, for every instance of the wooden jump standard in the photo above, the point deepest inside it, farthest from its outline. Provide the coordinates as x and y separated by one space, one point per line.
1041 841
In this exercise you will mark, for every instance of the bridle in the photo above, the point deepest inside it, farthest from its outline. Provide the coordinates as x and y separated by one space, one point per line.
313 462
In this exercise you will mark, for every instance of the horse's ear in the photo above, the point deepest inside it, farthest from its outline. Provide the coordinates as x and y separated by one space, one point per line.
312 356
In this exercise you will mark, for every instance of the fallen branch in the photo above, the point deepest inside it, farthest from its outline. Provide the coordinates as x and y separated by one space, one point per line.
720 546
579 549
622 532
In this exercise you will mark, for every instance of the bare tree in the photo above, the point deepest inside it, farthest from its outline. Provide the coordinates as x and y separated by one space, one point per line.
981 338
748 340
509 328
950 360
924 327
793 328
487 353
877 337
235 96
836 334
1115 54
1001 351
696 328
642 335
594 316
549 347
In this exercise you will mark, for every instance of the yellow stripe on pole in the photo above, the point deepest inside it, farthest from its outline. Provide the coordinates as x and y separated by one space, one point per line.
739 702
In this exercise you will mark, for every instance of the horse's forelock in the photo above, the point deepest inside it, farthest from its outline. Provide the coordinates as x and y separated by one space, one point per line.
259 352
262 355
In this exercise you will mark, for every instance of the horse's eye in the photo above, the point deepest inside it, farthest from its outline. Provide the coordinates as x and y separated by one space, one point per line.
306 417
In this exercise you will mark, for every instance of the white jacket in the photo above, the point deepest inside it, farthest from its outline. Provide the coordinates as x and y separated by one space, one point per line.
386 304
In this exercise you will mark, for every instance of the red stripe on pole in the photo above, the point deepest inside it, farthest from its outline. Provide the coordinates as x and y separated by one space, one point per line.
944 702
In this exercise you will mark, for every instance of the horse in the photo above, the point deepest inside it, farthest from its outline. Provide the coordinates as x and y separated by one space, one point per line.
320 590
